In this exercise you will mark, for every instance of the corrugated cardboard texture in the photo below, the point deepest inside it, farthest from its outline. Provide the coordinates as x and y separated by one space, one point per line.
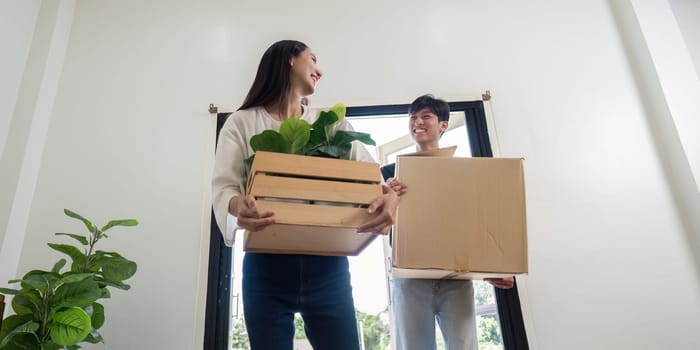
462 217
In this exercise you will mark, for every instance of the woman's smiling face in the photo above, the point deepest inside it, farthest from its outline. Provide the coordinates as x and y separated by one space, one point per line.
304 73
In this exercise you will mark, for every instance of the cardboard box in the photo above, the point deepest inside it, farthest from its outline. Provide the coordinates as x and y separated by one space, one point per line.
318 204
461 218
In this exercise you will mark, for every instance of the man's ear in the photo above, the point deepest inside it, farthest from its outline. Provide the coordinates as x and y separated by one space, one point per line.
443 126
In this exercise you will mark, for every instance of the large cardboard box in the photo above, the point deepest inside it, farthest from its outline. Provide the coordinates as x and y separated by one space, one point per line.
318 204
461 218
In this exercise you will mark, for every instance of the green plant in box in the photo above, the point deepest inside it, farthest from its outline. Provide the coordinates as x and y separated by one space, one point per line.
320 139
59 310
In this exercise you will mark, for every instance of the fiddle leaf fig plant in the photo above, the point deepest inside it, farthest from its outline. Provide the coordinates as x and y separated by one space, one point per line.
320 139
59 310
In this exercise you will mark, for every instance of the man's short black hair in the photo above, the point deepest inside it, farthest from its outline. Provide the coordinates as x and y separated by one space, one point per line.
436 105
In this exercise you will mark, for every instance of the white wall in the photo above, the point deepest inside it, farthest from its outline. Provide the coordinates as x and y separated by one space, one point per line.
26 138
687 13
610 262
17 23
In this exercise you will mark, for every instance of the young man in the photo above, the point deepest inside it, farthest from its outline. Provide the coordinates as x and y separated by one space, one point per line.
418 303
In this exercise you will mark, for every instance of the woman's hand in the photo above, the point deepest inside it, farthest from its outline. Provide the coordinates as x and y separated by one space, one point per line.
503 283
397 186
250 217
387 205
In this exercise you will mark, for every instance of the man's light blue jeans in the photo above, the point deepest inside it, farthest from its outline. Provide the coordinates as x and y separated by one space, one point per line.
418 303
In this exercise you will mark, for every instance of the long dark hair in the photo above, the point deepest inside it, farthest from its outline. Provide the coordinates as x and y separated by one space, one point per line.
271 84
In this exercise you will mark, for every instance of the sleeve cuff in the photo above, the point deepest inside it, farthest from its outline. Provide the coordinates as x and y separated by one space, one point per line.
231 228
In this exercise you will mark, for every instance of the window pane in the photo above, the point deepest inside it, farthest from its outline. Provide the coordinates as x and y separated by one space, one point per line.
489 332
458 137
483 294
390 128
383 129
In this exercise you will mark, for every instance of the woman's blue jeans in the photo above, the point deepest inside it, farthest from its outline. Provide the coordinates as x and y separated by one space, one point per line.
276 286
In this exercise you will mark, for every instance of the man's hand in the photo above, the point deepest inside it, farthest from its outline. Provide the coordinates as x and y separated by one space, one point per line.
397 186
386 204
250 217
503 283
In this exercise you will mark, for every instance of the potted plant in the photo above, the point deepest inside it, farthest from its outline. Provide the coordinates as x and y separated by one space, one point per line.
58 309
320 139
303 174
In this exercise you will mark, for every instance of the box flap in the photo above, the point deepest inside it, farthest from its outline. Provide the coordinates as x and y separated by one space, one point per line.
440 152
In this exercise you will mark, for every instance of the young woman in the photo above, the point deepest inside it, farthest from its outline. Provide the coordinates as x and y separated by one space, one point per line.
275 286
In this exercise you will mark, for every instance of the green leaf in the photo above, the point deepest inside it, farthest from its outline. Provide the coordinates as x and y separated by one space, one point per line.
34 273
69 327
74 277
28 327
339 109
80 294
270 141
23 306
12 322
25 341
88 224
115 284
330 129
332 151
58 266
343 137
97 315
82 239
123 222
325 119
28 301
42 282
94 337
94 267
322 128
296 133
74 253
9 291
35 300
114 266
